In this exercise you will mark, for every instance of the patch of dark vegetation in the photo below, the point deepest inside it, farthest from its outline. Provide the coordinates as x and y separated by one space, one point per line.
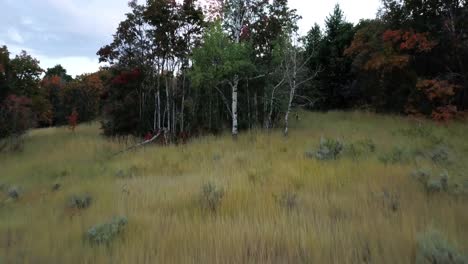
391 200
56 187
217 157
287 200
211 197
106 232
80 201
434 249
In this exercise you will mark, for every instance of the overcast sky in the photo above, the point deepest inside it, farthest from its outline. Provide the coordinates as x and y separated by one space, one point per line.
69 32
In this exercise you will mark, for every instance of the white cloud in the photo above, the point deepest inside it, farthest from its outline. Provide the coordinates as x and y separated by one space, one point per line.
15 36
75 65
94 17
315 11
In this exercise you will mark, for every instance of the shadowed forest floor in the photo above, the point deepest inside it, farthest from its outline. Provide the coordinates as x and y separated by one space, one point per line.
262 199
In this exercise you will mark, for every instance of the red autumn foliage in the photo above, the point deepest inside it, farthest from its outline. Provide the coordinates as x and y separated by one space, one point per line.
437 89
126 76
409 40
73 120
445 113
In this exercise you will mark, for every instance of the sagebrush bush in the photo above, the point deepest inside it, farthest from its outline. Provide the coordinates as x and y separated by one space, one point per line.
440 155
211 196
105 233
13 192
80 201
434 249
329 149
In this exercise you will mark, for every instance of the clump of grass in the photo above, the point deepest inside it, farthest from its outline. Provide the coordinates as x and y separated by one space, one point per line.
418 131
105 233
211 196
433 248
287 200
82 201
422 175
395 156
361 148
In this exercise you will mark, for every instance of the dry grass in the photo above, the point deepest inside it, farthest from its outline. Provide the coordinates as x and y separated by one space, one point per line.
340 215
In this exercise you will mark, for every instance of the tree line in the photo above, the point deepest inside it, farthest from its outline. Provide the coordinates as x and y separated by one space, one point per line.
196 67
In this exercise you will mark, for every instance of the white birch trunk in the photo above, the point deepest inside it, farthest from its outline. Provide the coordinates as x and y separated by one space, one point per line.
234 106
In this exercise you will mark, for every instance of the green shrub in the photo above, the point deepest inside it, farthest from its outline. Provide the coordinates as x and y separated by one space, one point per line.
105 233
329 149
433 249
211 196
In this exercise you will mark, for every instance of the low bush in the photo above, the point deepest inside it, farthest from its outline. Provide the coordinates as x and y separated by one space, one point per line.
13 192
105 233
329 149
440 155
211 197
434 249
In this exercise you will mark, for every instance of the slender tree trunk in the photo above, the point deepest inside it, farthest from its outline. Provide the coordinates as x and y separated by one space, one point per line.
256 108
159 108
249 112
288 111
168 107
235 85
182 105
292 92
155 114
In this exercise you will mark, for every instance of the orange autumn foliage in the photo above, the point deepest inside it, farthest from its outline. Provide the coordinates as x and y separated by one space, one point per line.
437 89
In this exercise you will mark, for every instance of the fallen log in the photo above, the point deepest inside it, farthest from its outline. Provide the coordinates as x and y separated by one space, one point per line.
138 145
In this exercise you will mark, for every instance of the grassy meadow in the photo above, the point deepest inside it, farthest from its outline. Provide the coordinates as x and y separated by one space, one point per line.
279 204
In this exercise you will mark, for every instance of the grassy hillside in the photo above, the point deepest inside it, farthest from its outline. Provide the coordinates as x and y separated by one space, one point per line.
279 205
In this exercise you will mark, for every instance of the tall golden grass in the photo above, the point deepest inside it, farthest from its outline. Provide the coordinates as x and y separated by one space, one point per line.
340 215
